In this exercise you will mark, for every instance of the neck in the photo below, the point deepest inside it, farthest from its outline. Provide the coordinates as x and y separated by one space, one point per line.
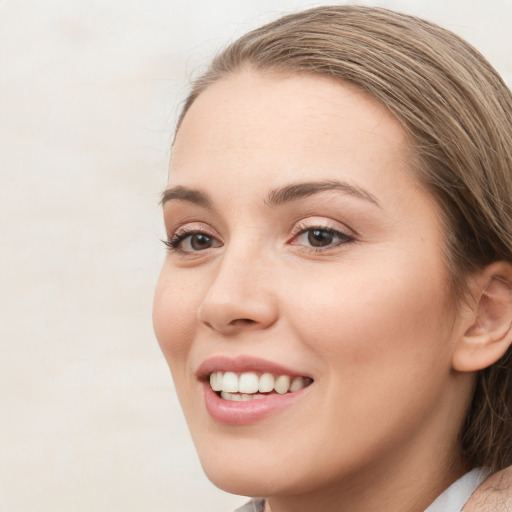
393 488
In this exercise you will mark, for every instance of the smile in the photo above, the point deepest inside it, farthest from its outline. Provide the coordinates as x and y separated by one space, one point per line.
253 386
245 390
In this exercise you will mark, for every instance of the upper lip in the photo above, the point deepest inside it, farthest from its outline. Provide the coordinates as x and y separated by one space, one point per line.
241 364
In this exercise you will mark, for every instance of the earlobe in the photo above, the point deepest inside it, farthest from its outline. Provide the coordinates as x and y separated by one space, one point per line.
489 334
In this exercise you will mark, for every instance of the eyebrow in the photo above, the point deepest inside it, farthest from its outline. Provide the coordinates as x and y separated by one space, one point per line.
185 194
296 191
276 196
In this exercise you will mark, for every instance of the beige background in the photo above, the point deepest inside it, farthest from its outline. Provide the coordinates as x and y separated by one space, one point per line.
88 96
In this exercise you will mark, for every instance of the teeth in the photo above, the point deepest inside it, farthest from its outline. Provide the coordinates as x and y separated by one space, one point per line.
237 397
266 384
245 386
230 382
248 383
282 384
216 381
297 383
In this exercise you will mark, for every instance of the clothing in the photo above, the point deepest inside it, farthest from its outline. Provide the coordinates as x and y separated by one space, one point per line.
457 495
255 505
452 499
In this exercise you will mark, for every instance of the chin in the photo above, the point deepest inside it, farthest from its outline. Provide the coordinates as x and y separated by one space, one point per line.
256 473
249 482
253 473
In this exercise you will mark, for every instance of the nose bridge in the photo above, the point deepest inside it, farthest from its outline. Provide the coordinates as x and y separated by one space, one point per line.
240 295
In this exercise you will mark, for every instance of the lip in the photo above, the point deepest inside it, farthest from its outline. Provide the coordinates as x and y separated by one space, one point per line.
234 413
246 413
242 364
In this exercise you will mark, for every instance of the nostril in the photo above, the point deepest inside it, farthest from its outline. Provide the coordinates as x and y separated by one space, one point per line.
242 321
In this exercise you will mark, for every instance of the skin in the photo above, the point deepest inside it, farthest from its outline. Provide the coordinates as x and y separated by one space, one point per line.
368 317
494 495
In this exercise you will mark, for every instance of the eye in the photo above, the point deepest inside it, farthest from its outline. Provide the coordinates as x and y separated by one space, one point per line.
187 242
320 238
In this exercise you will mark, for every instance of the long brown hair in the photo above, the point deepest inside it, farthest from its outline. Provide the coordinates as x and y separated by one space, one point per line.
458 114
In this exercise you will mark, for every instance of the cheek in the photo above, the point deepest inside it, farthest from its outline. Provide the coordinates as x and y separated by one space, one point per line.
382 347
174 315
375 322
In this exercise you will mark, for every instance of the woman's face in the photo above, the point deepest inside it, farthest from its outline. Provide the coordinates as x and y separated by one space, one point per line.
304 255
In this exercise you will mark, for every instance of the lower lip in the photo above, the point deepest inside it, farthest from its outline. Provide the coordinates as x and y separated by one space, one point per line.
234 413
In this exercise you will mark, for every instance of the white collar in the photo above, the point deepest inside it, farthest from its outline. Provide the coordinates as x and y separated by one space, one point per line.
456 496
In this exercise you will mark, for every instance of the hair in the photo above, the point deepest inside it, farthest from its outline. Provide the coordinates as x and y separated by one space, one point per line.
457 112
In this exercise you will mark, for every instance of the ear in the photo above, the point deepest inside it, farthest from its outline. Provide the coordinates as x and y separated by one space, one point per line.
489 334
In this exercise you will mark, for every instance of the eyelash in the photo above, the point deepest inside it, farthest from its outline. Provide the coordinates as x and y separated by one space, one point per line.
303 229
174 243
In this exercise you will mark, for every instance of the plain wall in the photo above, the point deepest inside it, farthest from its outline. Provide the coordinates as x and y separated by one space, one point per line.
89 92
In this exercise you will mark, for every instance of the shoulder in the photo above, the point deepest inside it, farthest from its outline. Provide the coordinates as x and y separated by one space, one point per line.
255 505
493 495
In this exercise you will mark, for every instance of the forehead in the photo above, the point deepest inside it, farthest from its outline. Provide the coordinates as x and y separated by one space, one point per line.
286 129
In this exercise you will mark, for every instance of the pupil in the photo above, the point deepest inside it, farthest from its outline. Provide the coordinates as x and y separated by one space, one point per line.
200 241
319 238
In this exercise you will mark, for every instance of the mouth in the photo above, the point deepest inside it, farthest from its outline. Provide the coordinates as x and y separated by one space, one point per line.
246 386
245 390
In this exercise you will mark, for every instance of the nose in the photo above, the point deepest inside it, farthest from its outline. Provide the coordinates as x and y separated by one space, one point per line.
240 296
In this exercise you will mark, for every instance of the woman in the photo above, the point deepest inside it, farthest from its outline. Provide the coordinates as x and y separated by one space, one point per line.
335 305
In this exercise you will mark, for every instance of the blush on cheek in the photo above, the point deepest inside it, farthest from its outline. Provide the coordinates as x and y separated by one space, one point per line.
173 326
